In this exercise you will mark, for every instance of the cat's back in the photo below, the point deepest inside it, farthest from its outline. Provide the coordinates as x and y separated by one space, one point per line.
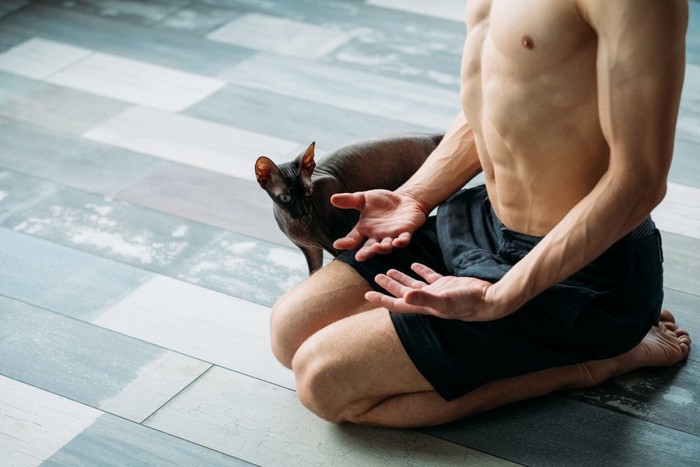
378 163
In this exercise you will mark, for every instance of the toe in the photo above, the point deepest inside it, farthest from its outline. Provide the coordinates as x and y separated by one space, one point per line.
667 316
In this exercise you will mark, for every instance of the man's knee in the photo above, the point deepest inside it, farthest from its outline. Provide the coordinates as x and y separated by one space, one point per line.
320 382
284 344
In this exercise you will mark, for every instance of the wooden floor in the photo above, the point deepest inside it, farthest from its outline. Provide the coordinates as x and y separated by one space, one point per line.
139 259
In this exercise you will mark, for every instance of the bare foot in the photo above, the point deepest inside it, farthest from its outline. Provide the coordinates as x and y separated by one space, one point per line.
664 345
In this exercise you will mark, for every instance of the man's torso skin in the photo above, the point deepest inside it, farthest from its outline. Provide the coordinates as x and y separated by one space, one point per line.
529 92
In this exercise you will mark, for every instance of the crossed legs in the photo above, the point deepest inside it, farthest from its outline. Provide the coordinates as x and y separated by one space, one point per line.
350 365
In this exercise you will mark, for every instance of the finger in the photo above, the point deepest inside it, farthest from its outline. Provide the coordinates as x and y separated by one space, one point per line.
425 272
396 305
350 241
364 253
380 299
405 279
395 288
402 240
382 248
349 200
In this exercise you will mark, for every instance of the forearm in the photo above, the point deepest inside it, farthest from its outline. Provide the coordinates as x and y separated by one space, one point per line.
450 166
613 208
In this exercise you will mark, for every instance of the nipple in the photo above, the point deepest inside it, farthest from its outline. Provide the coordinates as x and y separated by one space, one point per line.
527 42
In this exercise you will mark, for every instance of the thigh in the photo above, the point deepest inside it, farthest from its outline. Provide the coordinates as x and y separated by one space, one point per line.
332 293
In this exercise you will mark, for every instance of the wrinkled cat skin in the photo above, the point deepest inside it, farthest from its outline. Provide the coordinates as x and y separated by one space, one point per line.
301 189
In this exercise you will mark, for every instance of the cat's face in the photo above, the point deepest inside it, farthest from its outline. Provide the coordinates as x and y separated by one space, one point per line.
289 184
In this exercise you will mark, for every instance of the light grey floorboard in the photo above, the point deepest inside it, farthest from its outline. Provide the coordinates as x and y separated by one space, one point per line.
110 440
555 431
67 160
295 119
228 202
88 364
53 107
260 423
153 45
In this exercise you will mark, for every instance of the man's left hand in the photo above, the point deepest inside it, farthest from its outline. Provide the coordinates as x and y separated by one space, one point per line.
447 297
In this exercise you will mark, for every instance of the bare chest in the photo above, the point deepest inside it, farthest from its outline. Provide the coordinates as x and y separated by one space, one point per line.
536 56
530 36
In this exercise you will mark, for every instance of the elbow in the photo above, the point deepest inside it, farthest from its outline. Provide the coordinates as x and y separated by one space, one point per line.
642 192
651 186
658 194
649 193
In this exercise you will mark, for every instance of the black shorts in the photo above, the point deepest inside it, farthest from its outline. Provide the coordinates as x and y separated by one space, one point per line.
601 311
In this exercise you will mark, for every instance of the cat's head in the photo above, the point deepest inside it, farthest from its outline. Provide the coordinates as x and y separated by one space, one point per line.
289 184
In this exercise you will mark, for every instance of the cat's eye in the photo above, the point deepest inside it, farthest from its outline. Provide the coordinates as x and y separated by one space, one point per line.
285 198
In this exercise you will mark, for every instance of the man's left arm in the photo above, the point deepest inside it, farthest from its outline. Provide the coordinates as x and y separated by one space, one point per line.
640 69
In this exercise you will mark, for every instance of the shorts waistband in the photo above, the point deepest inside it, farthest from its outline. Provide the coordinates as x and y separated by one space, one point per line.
644 229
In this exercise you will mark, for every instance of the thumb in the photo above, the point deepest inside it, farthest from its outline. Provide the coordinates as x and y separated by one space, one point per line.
422 298
349 200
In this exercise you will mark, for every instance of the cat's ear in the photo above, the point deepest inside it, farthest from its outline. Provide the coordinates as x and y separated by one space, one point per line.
266 172
307 164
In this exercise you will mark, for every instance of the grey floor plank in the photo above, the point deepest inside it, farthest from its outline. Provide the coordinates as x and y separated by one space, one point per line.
358 91
110 440
68 160
294 119
18 192
556 431
260 423
144 12
136 81
113 229
693 35
245 267
685 167
154 45
223 201
390 43
168 313
228 262
663 396
188 140
61 279
90 365
9 6
679 212
201 323
446 9
53 107
681 263
36 424
200 18
10 38
685 308
284 36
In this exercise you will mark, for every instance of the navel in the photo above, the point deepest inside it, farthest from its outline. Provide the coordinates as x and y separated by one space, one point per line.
527 42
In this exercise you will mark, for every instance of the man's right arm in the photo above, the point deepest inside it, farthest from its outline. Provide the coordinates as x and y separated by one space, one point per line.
452 164
388 219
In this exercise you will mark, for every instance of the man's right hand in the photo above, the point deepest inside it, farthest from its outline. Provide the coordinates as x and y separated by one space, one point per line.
387 221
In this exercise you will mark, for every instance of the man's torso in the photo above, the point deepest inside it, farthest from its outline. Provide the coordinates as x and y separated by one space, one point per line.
529 91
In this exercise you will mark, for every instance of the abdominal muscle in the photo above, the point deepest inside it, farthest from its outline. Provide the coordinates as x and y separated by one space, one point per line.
534 114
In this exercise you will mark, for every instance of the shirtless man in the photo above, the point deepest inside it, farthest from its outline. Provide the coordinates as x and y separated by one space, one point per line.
547 278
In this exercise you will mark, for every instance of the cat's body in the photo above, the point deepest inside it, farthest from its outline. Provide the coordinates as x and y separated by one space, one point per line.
302 189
